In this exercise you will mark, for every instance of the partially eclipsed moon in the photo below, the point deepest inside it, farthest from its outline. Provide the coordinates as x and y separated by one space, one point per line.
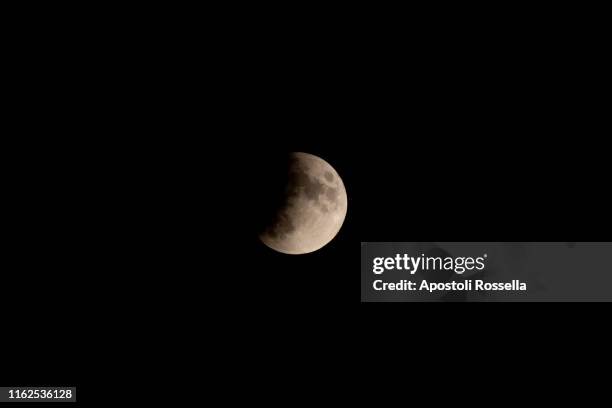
313 210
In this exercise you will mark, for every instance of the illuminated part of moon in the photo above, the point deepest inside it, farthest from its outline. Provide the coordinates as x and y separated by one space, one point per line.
314 208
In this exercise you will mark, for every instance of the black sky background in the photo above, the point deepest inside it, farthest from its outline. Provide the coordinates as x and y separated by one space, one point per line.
135 218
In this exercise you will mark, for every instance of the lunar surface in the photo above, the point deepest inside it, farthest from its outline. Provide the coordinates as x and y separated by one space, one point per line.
313 209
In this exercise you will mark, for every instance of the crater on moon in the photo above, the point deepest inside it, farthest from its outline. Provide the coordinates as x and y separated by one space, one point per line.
311 210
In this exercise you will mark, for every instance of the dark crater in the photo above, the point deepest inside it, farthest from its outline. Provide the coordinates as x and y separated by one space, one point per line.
300 180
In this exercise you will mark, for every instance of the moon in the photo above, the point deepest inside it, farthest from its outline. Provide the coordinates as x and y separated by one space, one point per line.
313 208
